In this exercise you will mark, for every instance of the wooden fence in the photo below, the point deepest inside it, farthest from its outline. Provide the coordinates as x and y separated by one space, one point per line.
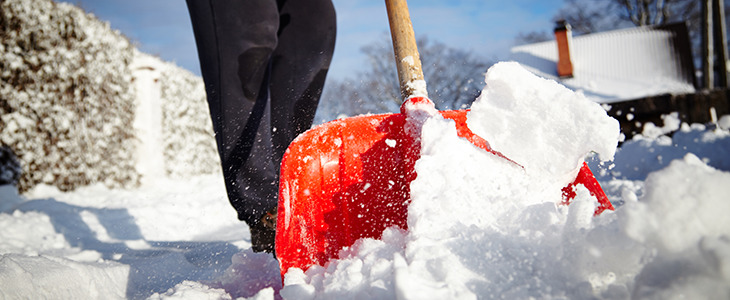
691 108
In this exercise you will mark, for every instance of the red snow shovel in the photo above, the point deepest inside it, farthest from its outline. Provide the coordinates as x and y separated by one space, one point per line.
350 178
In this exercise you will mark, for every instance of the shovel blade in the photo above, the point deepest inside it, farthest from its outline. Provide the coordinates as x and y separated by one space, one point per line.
350 179
341 181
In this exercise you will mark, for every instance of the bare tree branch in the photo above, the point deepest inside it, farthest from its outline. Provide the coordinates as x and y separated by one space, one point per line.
454 77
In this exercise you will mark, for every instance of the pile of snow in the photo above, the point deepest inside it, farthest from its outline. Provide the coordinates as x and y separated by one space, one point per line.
98 242
654 150
541 125
479 225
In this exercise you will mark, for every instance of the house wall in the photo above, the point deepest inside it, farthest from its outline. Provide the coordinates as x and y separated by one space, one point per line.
618 65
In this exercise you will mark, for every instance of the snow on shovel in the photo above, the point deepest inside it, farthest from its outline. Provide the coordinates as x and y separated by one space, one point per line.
350 178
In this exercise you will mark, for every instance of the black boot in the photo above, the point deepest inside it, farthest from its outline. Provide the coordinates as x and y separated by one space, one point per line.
263 233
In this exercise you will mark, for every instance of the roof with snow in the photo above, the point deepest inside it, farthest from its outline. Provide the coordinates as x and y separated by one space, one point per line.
620 65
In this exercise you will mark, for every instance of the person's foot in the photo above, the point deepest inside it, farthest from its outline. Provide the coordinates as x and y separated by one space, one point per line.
263 233
269 219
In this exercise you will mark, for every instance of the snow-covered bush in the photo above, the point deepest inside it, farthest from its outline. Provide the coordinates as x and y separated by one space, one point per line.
189 141
65 95
68 101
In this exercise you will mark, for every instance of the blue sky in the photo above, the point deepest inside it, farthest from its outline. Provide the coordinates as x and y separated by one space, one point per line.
486 27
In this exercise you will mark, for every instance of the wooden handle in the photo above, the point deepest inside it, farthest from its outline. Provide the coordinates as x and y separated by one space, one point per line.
407 59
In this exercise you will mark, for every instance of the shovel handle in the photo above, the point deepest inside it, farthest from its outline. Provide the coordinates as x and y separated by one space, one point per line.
407 59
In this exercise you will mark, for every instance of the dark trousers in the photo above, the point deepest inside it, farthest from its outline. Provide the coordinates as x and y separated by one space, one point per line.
264 64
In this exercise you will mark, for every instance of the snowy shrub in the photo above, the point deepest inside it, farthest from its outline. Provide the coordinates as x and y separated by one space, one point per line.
65 96
189 141
68 102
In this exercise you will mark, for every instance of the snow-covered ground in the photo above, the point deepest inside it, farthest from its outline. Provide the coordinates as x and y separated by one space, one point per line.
485 229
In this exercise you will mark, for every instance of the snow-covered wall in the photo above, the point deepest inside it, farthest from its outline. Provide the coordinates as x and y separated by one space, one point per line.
147 116
69 102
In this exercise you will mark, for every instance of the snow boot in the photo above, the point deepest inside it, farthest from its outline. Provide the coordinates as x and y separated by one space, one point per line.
263 233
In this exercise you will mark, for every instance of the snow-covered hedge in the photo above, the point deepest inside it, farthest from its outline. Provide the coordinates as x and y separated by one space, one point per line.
67 101
189 141
65 95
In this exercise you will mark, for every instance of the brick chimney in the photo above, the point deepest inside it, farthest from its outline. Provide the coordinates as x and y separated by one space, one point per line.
563 37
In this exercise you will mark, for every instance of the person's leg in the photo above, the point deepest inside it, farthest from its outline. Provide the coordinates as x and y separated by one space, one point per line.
235 40
299 66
